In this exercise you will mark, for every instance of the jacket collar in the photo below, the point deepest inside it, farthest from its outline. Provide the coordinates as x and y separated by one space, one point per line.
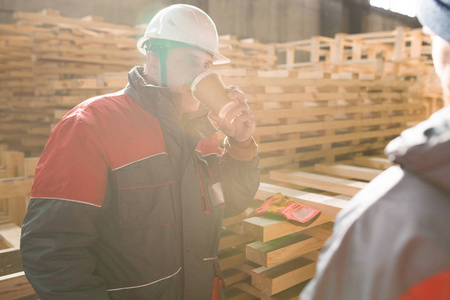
157 100
144 94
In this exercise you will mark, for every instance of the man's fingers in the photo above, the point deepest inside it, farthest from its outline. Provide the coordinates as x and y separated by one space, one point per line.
237 110
236 95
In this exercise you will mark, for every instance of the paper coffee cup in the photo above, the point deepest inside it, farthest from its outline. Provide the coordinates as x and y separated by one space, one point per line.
209 89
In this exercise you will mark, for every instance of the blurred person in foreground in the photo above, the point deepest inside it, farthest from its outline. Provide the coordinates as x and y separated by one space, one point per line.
393 239
131 189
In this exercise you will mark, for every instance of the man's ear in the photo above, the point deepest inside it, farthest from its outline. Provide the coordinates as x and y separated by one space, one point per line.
152 68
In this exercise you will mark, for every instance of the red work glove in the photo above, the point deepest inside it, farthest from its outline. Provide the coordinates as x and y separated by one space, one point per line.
290 209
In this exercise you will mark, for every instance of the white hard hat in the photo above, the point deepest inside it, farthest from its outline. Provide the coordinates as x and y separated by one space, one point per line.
186 24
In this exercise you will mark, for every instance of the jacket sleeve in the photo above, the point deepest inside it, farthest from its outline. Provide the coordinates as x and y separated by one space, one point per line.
59 231
238 172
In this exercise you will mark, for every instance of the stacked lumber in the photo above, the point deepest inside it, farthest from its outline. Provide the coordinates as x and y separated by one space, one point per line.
300 120
303 119
16 177
16 79
43 51
247 53
361 52
13 283
280 257
400 52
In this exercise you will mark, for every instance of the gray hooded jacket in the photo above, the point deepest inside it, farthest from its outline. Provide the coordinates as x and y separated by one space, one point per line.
393 239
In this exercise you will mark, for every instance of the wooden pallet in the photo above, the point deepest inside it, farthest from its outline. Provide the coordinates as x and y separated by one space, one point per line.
16 178
281 259
13 283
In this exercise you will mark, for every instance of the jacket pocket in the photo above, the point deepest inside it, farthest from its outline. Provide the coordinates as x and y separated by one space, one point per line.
144 198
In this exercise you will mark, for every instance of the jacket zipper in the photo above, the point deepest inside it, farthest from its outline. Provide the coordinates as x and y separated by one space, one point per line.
205 202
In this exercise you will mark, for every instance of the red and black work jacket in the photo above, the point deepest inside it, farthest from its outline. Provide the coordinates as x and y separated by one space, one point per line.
128 200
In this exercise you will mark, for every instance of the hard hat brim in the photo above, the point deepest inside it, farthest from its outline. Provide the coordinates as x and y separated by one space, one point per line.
218 59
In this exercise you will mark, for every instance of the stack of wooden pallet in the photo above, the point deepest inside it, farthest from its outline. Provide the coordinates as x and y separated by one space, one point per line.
60 48
16 79
274 259
247 53
16 177
303 119
400 52
361 52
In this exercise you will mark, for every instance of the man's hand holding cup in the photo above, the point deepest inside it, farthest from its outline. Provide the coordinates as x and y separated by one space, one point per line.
228 106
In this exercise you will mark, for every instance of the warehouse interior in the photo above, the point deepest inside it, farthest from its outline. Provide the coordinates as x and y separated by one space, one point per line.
330 83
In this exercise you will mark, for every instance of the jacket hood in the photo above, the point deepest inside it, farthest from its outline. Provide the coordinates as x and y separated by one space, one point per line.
425 149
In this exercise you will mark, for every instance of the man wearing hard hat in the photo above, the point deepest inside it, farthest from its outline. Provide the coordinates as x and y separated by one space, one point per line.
130 191
393 239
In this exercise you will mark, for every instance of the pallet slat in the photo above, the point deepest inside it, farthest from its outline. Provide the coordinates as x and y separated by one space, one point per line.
360 173
321 182
282 249
281 277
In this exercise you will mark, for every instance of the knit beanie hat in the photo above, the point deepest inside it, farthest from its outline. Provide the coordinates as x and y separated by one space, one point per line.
435 14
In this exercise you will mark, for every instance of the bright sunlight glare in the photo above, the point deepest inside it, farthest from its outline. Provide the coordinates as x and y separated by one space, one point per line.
405 7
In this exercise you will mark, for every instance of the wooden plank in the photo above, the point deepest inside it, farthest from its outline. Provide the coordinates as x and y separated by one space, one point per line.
237 219
283 249
13 283
306 142
291 293
234 293
314 255
14 163
64 22
320 232
230 239
277 161
399 48
17 207
373 162
10 261
15 187
125 63
320 111
329 206
261 81
247 267
272 227
335 124
321 182
16 286
233 276
275 279
30 166
348 171
250 289
10 234
231 258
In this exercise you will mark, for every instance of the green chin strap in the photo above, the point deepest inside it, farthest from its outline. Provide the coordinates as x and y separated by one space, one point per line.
161 47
